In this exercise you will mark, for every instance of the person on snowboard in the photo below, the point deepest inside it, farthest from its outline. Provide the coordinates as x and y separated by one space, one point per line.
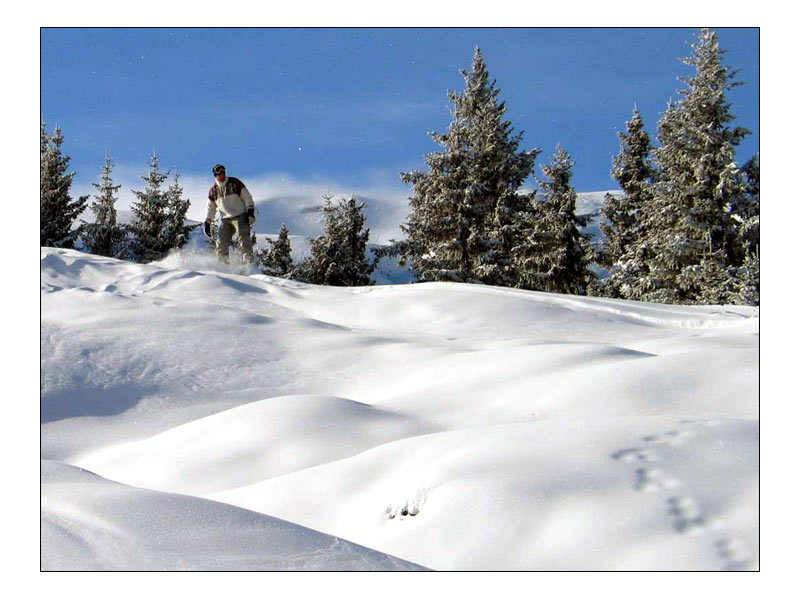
235 204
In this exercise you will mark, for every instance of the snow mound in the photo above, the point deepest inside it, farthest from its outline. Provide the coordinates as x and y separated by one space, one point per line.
455 426
622 494
90 523
251 443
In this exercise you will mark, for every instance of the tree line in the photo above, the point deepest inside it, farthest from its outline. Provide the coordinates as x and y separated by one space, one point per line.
159 215
337 257
158 223
684 227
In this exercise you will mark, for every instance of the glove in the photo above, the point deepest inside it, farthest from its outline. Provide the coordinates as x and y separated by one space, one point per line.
207 228
251 215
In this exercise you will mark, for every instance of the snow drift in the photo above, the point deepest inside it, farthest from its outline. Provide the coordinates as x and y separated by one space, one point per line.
451 426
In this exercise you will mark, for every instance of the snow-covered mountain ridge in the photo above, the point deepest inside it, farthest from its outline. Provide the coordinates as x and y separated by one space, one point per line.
452 426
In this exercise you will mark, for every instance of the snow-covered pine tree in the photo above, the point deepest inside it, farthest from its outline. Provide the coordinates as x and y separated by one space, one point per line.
339 256
746 237
105 237
622 215
520 245
561 252
276 260
57 210
748 285
357 269
632 276
511 233
175 232
149 216
281 257
455 230
692 217
323 250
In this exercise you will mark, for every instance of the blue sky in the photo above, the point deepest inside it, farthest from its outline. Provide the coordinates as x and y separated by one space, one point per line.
353 106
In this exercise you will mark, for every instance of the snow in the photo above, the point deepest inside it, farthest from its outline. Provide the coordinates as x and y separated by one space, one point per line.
90 523
194 417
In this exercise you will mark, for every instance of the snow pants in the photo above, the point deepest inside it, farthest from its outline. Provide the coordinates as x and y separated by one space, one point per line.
241 226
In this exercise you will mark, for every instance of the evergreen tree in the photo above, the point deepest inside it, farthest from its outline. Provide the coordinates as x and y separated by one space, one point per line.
560 253
517 247
175 233
622 215
747 213
105 237
461 219
339 256
149 216
693 218
747 237
276 260
513 226
748 285
44 138
57 210
356 268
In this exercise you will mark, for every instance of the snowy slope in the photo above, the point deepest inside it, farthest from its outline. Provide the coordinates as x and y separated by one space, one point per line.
554 495
89 523
453 426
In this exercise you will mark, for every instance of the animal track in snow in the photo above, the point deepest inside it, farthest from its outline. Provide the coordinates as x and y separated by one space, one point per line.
733 552
646 453
636 455
688 516
651 480
670 438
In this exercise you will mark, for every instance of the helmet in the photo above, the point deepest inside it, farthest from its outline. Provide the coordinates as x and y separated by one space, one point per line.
217 169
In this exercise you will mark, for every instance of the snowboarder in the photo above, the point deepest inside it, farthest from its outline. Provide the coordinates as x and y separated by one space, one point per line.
235 204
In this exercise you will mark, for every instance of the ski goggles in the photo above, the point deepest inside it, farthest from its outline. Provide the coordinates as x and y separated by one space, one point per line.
217 169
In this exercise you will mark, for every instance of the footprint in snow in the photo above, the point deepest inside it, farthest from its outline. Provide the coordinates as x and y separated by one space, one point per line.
636 455
688 516
405 510
409 507
734 553
646 454
653 480
670 438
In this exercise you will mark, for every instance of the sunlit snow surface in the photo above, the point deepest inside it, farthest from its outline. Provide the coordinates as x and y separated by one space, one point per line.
198 418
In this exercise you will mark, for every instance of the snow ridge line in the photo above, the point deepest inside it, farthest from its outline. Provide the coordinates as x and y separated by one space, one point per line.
589 303
712 320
